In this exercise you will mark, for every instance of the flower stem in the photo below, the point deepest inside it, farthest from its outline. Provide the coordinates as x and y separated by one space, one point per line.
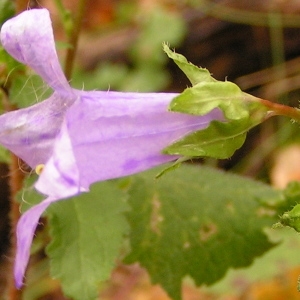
73 38
66 18
60 7
276 109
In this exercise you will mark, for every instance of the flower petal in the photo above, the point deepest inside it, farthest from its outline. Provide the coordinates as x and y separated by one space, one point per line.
61 174
118 134
30 132
25 232
28 37
62 181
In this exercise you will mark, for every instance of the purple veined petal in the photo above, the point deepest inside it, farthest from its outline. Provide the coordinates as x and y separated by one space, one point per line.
132 130
25 232
60 177
62 182
116 134
28 37
30 132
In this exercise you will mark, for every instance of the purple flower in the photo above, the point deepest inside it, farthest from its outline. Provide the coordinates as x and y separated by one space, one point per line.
81 137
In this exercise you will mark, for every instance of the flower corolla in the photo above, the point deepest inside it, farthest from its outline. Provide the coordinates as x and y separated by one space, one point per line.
80 137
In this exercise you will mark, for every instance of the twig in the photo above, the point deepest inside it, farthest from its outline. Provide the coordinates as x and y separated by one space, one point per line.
73 38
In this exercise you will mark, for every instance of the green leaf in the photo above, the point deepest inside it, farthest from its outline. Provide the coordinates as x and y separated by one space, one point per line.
289 207
218 140
291 218
7 9
196 221
290 197
87 234
205 96
193 73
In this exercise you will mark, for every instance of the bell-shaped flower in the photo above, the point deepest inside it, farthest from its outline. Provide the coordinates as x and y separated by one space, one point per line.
80 137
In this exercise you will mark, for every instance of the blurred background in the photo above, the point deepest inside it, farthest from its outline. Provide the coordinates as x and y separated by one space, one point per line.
255 44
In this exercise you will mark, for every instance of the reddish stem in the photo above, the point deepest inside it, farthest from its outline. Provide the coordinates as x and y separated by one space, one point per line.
277 109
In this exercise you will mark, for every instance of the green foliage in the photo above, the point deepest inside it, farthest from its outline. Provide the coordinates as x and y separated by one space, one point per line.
106 76
138 80
220 139
7 10
292 218
290 196
146 72
87 234
289 207
205 96
125 11
28 90
196 221
9 68
147 54
147 49
264 268
28 196
193 73
4 155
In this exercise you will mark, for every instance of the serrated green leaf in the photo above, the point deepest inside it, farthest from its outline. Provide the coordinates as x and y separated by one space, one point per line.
193 73
220 139
290 197
87 234
196 221
291 218
289 207
205 96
